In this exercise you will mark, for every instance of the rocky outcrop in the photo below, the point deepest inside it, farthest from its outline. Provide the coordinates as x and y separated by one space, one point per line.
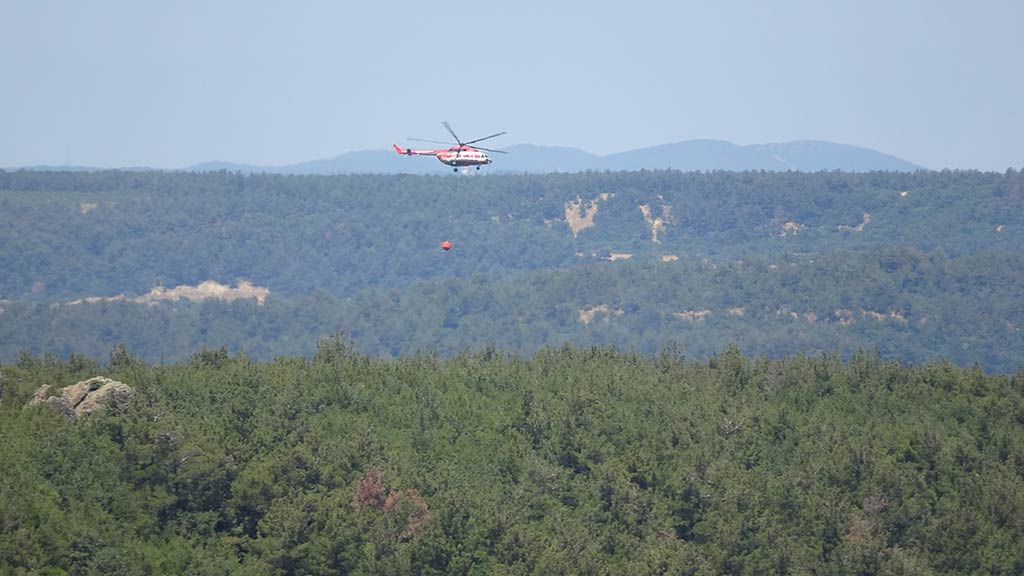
580 216
204 291
86 397
587 314
657 225
859 227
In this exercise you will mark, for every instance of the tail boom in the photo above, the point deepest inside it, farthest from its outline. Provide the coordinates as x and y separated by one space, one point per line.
411 152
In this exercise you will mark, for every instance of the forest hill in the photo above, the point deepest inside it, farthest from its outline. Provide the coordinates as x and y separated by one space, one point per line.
921 266
572 460
908 305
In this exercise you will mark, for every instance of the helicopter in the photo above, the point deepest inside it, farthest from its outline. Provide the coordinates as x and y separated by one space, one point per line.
458 154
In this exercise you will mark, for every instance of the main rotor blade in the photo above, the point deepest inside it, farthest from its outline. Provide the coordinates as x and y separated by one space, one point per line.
452 132
486 137
432 141
490 150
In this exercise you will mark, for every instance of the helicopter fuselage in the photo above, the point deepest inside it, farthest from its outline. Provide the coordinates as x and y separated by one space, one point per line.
463 156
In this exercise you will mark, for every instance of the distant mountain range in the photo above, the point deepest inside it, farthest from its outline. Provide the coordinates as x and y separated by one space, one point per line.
689 155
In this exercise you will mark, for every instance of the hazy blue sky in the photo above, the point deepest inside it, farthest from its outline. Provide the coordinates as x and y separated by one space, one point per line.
168 84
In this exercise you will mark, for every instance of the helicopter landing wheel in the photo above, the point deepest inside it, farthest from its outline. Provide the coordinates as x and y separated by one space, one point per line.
455 169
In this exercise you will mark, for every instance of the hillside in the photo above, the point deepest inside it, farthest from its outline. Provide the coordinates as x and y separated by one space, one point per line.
610 373
78 235
918 265
907 305
577 460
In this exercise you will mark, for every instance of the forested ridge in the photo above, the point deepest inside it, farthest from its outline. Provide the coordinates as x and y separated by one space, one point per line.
74 235
919 266
573 460
909 305
648 372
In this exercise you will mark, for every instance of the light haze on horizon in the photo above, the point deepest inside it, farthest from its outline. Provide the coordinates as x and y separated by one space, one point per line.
168 85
